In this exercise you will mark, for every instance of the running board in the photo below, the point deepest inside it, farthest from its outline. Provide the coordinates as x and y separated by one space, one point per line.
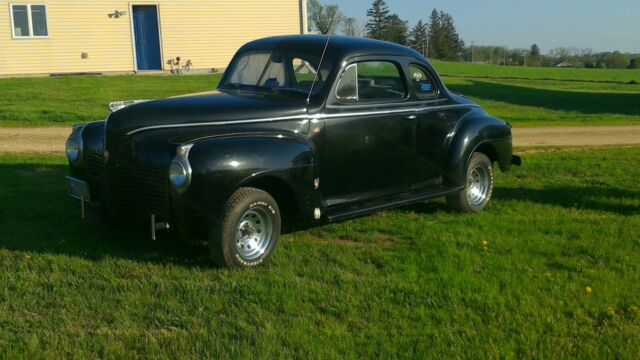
348 212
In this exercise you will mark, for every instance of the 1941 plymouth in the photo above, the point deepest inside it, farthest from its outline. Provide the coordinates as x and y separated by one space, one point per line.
301 130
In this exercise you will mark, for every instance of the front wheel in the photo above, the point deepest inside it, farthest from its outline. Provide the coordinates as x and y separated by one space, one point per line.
478 189
249 231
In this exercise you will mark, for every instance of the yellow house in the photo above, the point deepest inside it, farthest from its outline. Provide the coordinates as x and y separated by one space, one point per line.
113 36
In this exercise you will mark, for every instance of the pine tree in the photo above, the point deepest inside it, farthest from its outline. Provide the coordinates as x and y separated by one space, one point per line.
444 41
419 38
434 33
396 30
453 45
535 50
378 20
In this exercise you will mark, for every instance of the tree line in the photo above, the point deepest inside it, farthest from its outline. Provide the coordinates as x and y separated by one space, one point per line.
560 56
437 38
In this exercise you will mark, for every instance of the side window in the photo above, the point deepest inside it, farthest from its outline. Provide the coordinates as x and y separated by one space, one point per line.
371 80
29 21
303 71
421 81
348 84
275 74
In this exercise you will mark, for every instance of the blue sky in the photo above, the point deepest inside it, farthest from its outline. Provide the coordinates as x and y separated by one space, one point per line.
603 25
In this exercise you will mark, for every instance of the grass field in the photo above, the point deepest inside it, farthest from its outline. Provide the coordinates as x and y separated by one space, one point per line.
522 96
549 96
615 76
417 282
70 100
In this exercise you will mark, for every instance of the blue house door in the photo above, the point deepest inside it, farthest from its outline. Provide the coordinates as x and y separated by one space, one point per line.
147 37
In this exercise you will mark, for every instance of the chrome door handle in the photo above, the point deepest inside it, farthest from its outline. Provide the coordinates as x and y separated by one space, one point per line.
411 117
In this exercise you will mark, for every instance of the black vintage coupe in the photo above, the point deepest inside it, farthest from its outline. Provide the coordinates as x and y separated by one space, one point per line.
302 130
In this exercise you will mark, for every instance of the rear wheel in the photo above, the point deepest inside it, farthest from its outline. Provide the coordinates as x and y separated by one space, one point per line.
249 231
478 189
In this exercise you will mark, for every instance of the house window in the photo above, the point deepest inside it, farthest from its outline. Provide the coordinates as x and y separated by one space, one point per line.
29 21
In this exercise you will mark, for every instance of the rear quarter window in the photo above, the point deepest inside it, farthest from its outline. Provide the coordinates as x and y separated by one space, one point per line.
421 82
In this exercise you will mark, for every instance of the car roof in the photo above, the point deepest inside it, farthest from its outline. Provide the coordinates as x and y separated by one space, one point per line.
339 47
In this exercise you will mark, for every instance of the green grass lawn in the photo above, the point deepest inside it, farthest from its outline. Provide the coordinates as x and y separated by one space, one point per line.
522 96
73 99
417 282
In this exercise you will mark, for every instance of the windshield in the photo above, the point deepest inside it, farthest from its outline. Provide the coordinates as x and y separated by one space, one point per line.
277 71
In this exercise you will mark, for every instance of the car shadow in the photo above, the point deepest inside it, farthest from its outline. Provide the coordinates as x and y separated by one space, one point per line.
595 198
36 215
581 102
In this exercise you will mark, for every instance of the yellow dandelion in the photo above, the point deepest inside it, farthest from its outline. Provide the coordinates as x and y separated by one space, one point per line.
485 243
588 289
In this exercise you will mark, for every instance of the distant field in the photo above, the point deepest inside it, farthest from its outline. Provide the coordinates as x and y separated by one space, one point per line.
548 96
458 69
553 102
522 96
416 282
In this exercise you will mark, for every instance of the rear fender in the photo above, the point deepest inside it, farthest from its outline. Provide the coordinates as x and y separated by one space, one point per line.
477 133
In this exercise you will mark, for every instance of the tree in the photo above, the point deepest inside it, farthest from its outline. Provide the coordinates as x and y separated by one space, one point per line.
325 18
419 38
444 41
434 30
634 63
535 50
351 27
396 30
378 20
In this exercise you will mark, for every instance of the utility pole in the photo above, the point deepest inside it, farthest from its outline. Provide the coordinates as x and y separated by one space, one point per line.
427 50
473 59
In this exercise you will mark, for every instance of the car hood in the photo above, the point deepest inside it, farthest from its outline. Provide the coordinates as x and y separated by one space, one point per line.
202 109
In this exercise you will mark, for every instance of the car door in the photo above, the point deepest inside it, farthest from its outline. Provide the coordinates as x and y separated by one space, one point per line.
368 133
435 122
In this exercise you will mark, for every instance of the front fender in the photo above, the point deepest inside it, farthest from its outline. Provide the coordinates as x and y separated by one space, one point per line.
474 133
221 165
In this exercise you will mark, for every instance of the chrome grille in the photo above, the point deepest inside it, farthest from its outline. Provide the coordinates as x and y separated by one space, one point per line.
140 188
97 176
132 188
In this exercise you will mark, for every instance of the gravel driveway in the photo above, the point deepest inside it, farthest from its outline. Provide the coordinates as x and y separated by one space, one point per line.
51 139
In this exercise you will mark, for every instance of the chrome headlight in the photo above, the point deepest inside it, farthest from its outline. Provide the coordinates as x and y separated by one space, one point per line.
180 169
74 145
72 148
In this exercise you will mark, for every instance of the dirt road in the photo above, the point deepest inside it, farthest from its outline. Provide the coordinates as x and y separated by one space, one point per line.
51 139
577 136
33 140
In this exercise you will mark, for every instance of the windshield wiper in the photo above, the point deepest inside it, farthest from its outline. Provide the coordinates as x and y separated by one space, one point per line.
290 90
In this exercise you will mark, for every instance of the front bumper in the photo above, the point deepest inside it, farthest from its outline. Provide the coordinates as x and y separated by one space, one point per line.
79 189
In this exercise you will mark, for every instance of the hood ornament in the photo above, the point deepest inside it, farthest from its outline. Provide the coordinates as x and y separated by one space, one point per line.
119 105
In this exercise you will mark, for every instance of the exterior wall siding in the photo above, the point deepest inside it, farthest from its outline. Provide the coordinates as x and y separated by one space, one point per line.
208 32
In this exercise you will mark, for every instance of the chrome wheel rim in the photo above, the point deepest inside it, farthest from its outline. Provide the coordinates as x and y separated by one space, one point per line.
253 233
478 185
